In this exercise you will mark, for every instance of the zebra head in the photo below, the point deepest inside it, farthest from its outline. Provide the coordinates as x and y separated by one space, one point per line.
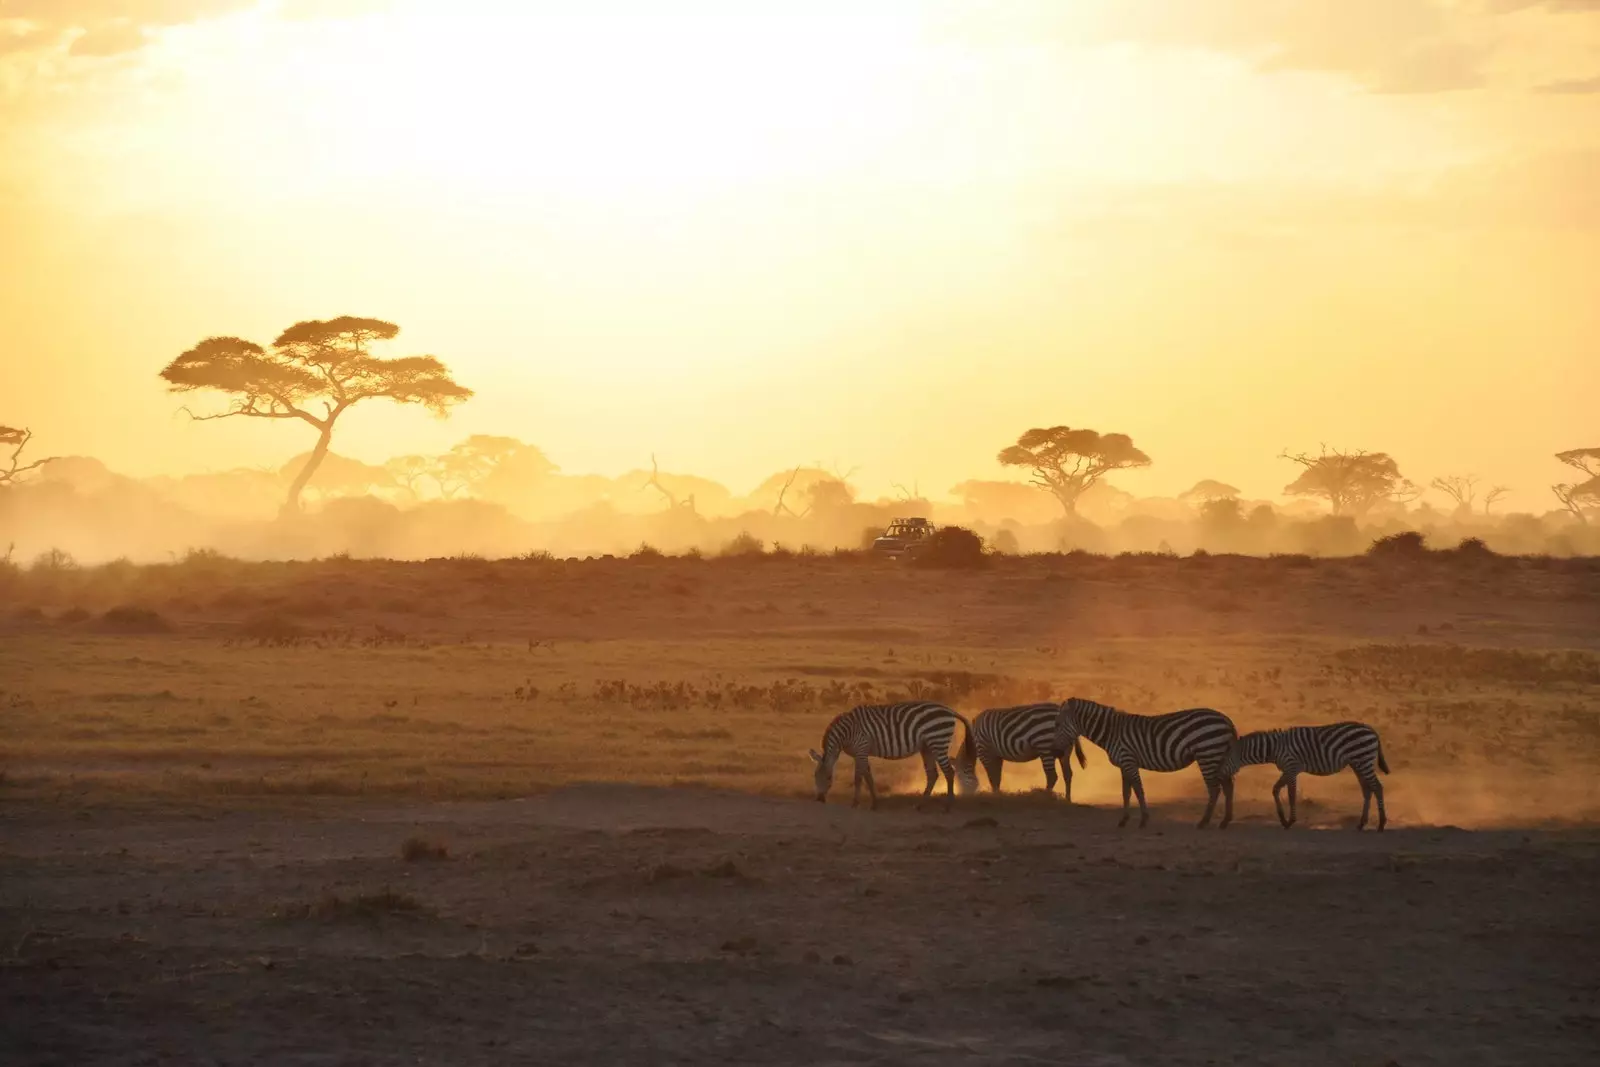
824 773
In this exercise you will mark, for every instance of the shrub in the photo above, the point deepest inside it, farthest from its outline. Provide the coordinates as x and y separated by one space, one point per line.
418 850
744 545
1474 548
126 619
646 551
1405 545
951 546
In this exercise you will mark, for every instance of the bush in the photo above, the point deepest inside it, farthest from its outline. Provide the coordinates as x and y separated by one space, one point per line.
951 546
1474 548
418 850
646 551
1405 545
125 619
744 545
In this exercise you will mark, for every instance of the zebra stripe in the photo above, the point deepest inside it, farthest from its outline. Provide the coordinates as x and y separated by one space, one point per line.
1320 750
1155 743
1018 734
890 731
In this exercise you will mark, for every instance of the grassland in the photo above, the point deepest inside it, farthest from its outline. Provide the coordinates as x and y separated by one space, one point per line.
334 812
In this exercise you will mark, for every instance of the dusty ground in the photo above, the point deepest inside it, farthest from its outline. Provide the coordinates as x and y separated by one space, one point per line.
204 805
613 923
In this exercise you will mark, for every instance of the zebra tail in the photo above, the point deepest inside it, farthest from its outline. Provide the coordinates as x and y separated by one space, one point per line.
967 754
1077 746
1383 764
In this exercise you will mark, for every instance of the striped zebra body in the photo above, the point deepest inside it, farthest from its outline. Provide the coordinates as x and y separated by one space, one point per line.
1155 743
1018 734
890 731
1320 750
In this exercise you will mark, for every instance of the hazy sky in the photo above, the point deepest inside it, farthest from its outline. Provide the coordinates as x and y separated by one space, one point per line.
890 234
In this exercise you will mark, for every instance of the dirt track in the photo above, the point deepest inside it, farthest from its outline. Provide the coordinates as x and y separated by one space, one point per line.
602 923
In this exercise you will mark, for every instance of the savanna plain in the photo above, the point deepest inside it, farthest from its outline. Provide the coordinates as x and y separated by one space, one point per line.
535 810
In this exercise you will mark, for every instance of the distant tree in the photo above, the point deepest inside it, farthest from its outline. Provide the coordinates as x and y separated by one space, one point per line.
1576 496
409 471
1463 489
313 362
1065 462
1206 490
673 503
338 475
16 439
1353 483
990 501
828 496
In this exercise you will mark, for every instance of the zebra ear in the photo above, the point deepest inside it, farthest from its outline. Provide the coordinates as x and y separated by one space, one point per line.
816 757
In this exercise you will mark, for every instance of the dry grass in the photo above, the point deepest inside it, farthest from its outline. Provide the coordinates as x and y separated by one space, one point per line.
470 678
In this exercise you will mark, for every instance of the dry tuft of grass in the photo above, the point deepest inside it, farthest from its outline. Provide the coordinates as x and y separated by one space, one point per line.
368 907
421 850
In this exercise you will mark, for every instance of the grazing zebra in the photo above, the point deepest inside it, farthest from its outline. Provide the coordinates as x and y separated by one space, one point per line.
1155 743
1019 734
1317 750
891 731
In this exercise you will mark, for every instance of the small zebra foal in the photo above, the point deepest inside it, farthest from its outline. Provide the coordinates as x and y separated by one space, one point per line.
1155 743
1020 734
1320 750
891 731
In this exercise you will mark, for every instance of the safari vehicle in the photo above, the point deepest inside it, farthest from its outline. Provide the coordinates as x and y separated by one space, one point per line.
903 538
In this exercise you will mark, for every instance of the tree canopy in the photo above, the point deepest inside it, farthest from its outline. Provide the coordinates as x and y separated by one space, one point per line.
15 439
1208 489
324 363
1065 462
1576 496
1352 483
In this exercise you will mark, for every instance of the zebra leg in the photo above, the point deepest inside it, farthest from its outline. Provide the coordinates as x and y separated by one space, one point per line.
1377 789
1066 777
1294 797
949 781
1227 803
872 787
1213 787
1277 802
1127 787
1138 791
931 769
1049 761
863 774
993 766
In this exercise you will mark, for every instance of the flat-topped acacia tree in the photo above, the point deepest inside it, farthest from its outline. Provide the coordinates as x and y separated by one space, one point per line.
326 364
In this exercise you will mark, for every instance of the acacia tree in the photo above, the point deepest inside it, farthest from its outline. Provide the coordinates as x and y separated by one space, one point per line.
1463 489
1208 489
312 363
1575 496
16 439
1353 483
1065 462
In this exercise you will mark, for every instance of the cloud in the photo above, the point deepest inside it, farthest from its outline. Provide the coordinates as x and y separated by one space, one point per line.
1389 46
1571 86
98 27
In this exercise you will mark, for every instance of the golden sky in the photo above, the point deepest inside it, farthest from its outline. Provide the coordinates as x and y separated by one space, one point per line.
885 233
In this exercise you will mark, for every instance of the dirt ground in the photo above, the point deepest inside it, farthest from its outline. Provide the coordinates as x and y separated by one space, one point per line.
602 924
470 812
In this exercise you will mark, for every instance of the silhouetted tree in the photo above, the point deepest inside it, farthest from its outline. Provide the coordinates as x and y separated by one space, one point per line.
313 362
1575 496
16 439
338 475
1463 489
408 471
828 496
1352 483
673 503
1208 489
1065 462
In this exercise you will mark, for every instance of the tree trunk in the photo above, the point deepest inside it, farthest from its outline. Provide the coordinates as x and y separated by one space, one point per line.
291 506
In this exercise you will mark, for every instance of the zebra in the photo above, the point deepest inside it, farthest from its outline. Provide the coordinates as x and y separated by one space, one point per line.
1317 750
891 731
1155 743
1018 734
